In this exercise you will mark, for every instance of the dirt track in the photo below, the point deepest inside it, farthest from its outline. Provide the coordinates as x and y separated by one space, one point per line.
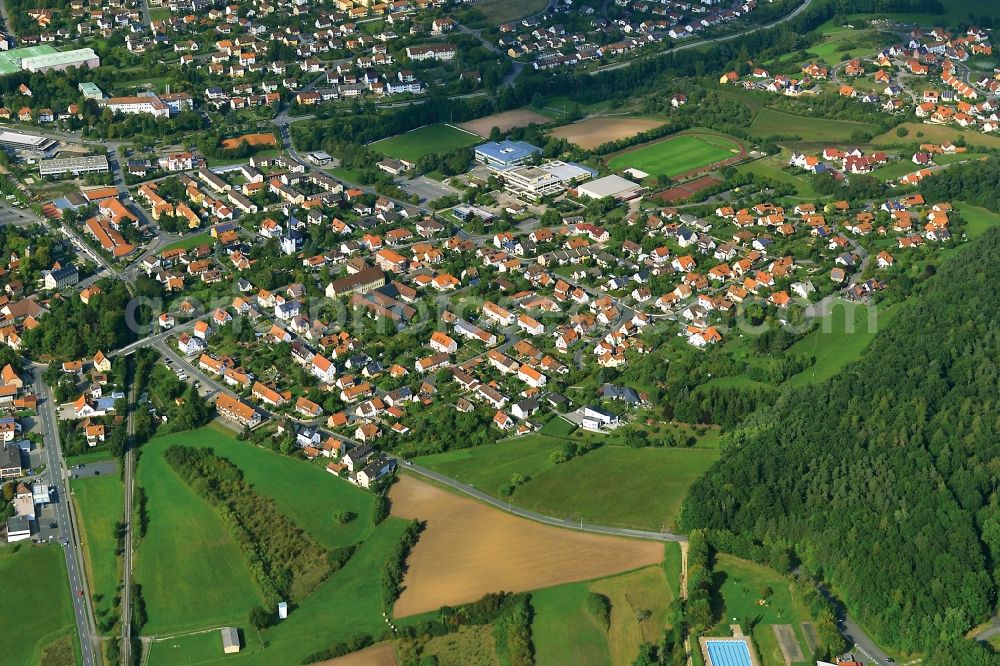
505 121
593 132
469 549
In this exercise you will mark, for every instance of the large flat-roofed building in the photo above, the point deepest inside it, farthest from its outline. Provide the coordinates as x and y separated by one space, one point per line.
506 153
21 141
535 182
610 186
73 165
61 60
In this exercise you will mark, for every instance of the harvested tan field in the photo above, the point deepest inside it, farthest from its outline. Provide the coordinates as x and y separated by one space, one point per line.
592 132
469 549
382 654
261 139
506 121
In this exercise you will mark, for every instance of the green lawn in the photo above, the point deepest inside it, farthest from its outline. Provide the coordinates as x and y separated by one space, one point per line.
35 587
99 504
771 167
676 155
432 139
193 241
840 339
497 12
564 631
742 587
625 487
613 485
305 493
830 50
770 122
558 427
924 133
977 219
344 606
192 572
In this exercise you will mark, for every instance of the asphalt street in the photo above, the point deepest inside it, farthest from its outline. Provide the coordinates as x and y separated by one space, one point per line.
63 516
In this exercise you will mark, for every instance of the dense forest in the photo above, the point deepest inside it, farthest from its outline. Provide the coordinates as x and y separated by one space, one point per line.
884 480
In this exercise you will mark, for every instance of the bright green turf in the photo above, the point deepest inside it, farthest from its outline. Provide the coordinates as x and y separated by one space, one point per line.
676 155
100 501
35 587
432 139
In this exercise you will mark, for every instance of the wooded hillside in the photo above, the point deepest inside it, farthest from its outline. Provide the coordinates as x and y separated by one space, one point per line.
884 479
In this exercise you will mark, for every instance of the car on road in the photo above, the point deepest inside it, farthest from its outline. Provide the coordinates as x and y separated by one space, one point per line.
53 525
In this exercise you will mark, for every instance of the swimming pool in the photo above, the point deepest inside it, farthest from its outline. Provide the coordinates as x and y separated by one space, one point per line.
728 653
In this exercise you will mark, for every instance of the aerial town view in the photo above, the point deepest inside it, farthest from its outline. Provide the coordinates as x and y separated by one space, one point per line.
500 332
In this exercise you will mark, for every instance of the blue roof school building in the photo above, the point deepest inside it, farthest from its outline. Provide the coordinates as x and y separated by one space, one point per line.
505 153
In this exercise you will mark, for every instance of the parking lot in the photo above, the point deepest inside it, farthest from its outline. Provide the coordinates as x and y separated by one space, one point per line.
100 468
15 216
426 188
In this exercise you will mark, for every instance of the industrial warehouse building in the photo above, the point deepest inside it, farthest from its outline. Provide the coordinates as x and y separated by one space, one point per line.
61 60
73 165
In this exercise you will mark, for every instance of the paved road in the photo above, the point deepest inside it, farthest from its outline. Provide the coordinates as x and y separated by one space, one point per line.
65 518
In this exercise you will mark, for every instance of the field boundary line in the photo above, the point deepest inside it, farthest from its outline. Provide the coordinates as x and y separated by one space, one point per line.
462 129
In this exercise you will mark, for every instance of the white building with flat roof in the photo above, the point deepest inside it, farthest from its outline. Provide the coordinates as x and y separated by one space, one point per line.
73 165
610 186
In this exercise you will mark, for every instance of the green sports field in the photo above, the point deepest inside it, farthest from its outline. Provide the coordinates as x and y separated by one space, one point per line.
34 584
432 139
99 504
676 155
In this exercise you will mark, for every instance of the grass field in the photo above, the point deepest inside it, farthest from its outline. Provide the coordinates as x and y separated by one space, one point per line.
564 631
99 504
640 488
193 241
677 155
199 580
432 139
34 584
977 219
645 590
841 339
469 646
496 12
771 167
771 122
613 485
925 133
298 489
743 584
